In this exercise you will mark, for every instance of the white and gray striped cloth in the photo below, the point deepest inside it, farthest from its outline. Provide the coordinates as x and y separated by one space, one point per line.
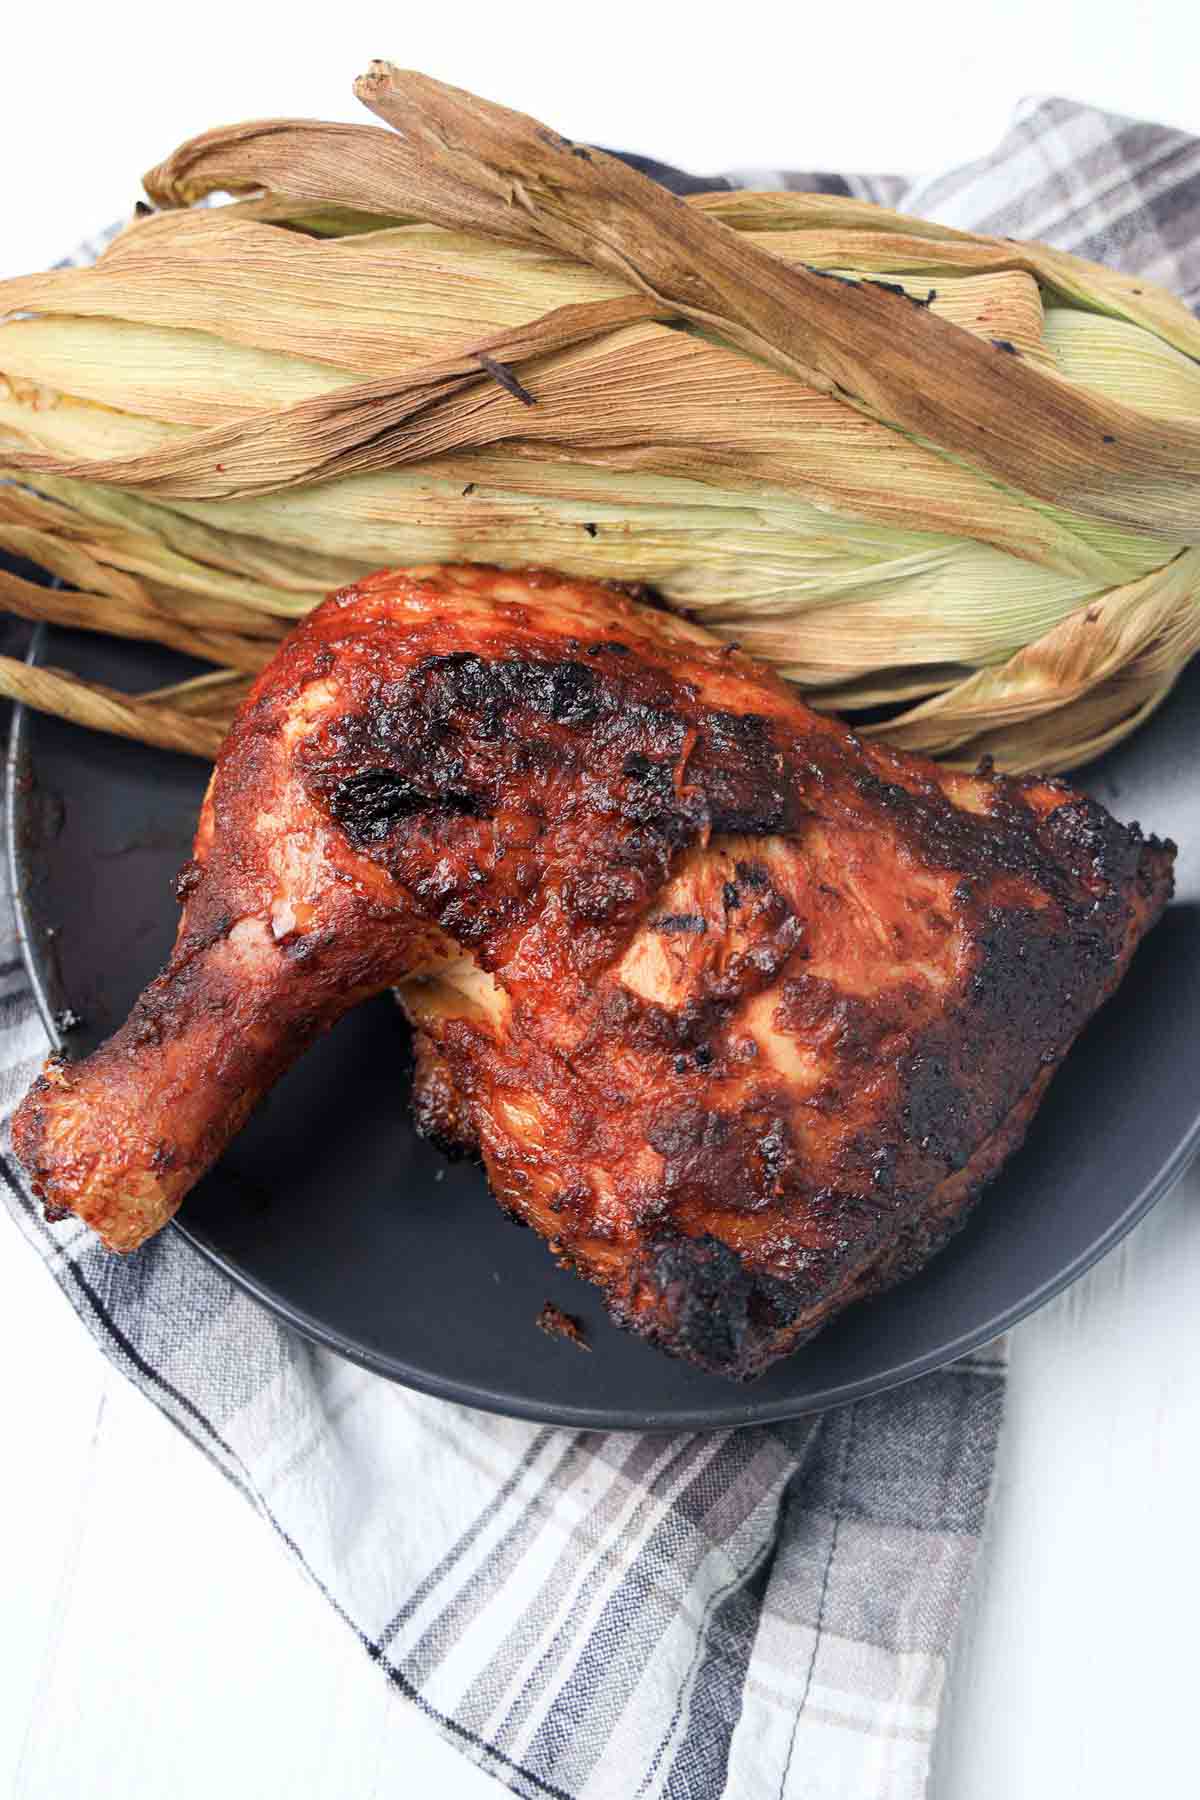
603 1616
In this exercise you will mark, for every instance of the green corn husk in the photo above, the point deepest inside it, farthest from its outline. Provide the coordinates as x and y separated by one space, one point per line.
949 475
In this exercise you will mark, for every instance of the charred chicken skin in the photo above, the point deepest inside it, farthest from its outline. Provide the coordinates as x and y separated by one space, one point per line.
739 1011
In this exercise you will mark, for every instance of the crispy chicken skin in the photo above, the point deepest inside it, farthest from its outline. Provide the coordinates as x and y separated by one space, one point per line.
739 1011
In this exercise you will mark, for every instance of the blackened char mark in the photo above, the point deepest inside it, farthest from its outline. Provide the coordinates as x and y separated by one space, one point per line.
1035 981
698 1289
466 734
1098 850
1074 853
694 1298
370 805
750 785
485 691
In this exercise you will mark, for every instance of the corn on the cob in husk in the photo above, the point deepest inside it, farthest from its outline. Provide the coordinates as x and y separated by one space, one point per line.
954 476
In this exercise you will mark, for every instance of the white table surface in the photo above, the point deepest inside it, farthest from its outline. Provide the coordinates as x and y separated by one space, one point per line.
154 1640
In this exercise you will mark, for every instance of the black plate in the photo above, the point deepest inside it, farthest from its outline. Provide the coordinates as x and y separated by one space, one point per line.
332 1212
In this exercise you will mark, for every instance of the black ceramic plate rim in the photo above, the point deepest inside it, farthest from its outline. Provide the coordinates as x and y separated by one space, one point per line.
723 1413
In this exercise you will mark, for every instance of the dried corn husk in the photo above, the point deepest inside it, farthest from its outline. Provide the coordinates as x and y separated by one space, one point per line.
147 720
948 474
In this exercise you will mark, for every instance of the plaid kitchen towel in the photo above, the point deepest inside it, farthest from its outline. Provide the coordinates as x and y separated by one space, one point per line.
596 1615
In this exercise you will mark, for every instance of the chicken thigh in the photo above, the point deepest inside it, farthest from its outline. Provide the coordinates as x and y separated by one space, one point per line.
739 1011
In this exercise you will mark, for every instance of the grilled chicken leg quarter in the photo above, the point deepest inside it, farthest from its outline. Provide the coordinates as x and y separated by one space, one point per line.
739 1011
